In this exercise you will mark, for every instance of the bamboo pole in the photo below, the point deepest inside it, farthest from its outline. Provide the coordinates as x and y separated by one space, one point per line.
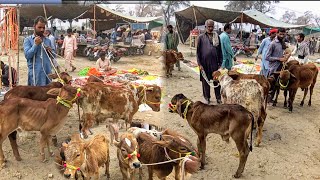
241 27
18 20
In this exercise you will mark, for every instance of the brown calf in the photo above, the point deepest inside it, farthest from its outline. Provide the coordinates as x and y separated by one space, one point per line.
171 57
87 157
128 154
227 120
172 146
299 76
48 117
100 101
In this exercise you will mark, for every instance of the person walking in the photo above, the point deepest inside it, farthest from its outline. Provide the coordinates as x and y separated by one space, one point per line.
301 49
69 49
209 58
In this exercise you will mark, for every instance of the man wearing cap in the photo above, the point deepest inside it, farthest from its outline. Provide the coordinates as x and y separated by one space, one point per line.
171 42
263 50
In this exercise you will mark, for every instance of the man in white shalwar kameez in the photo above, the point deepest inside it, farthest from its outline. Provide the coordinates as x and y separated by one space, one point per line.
69 49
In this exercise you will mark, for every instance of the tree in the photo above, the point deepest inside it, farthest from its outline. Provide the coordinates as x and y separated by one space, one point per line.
131 12
288 17
169 7
119 8
262 6
316 19
147 10
306 18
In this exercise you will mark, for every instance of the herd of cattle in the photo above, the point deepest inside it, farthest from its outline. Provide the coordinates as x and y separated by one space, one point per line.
45 109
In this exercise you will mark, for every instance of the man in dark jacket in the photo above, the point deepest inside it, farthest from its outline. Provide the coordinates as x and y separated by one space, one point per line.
5 75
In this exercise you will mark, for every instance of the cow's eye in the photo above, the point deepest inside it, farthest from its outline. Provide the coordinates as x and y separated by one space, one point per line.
123 150
78 155
183 149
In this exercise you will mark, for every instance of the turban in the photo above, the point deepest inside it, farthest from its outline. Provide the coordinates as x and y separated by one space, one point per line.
273 31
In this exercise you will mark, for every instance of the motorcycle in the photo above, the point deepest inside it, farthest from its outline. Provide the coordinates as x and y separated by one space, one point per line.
243 50
115 54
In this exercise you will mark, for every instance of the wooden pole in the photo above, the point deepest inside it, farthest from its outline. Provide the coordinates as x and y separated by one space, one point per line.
18 19
241 27
94 20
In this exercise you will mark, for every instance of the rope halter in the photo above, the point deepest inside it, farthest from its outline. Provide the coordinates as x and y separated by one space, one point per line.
180 153
134 153
143 94
174 108
283 87
68 166
68 103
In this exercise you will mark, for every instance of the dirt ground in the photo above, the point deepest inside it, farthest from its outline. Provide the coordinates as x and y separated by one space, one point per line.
290 148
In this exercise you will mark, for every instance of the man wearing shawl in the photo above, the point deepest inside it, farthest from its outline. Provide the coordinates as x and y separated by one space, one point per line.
263 50
209 58
226 48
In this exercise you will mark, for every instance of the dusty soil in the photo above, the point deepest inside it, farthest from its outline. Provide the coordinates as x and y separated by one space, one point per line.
289 150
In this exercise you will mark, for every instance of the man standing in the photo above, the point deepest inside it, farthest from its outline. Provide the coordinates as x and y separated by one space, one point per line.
276 57
38 62
171 41
226 48
209 57
301 49
263 50
53 47
69 49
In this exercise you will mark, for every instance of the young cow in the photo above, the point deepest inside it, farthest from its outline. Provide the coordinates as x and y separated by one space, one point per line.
172 146
228 120
128 154
48 117
87 157
171 57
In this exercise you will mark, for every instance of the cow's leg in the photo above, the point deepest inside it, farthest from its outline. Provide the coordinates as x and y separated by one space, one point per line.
43 142
2 159
177 172
150 172
276 99
202 149
114 132
107 164
140 173
259 131
285 93
292 94
304 96
311 91
49 149
243 148
55 141
14 145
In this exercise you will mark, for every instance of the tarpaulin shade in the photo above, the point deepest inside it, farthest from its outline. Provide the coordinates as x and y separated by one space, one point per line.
190 17
310 30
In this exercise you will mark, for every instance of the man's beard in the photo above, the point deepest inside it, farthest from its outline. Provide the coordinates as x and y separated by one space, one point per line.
39 34
281 40
171 31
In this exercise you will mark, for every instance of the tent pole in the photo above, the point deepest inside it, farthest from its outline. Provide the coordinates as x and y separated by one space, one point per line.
241 27
94 20
18 19
195 17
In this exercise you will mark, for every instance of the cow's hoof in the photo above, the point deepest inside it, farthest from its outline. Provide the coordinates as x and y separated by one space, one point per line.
237 175
51 154
274 104
256 144
44 160
301 104
309 103
18 158
290 109
2 165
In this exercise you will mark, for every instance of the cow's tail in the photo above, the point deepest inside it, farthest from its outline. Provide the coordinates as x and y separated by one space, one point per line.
252 125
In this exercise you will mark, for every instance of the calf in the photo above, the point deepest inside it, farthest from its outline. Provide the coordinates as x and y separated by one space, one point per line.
95 79
228 120
87 157
39 93
128 154
136 131
100 101
245 92
172 146
171 57
298 76
48 117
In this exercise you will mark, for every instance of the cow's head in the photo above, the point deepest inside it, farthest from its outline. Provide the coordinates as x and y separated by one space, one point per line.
285 77
179 56
65 77
153 97
176 102
129 152
75 156
176 145
66 94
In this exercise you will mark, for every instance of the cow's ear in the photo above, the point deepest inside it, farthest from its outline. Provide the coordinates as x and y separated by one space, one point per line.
233 75
54 91
276 73
65 145
150 89
161 143
116 143
53 76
